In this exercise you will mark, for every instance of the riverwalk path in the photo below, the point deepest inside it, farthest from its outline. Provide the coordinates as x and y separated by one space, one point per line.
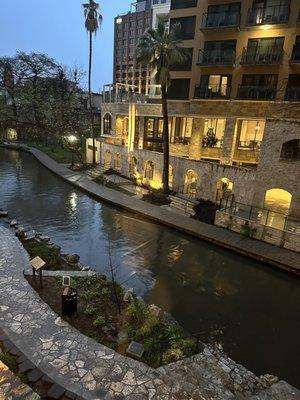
261 251
87 370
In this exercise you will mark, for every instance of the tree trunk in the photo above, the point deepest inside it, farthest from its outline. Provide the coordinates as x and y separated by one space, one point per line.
90 97
165 140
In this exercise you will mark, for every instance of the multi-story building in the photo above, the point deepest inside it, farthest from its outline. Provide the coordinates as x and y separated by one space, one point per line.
128 30
234 113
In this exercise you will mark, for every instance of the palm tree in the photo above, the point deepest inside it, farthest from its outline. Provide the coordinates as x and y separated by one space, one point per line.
161 49
93 21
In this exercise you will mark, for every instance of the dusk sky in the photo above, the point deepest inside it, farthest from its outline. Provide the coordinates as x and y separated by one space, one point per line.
56 27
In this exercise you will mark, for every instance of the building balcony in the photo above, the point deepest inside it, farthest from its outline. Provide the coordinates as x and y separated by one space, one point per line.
263 56
256 92
292 94
278 14
253 145
220 21
178 4
212 92
216 57
295 57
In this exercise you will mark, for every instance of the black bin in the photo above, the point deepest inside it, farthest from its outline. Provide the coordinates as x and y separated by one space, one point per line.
69 302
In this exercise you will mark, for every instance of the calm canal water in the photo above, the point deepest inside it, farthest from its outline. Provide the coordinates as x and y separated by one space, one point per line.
252 310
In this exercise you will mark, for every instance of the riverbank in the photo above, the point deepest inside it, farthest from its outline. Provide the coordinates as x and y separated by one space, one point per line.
58 353
272 255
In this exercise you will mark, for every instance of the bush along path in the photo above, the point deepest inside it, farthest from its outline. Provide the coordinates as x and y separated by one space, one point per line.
86 367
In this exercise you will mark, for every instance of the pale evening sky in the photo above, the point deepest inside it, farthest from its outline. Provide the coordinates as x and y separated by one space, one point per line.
56 27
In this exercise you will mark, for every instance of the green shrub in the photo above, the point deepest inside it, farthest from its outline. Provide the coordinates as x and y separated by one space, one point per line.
8 360
89 310
50 255
187 346
136 312
89 295
23 377
99 321
172 355
247 230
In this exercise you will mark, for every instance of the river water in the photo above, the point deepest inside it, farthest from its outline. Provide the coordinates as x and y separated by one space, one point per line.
251 309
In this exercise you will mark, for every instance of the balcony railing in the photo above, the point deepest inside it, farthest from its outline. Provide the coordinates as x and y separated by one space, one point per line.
220 20
177 4
292 94
216 57
181 140
278 14
295 58
249 145
256 92
217 145
262 56
212 92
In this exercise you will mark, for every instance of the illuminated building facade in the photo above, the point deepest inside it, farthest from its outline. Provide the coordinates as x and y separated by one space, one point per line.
234 111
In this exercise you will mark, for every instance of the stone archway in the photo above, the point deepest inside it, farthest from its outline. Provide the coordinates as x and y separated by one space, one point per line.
117 161
133 166
190 183
107 159
224 188
171 176
149 170
277 203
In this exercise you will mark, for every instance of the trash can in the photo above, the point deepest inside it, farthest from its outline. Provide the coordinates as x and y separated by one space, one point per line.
69 302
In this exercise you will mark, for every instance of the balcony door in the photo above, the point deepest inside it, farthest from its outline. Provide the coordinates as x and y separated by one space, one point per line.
215 85
264 50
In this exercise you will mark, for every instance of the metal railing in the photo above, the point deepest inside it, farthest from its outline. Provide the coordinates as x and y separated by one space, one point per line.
256 92
292 93
218 145
295 57
262 56
263 216
278 14
181 140
216 57
177 4
213 20
249 144
212 92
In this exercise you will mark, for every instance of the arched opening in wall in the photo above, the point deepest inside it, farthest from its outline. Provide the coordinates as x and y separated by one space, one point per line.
190 183
276 207
290 150
149 170
171 176
117 162
133 166
107 125
125 127
224 188
107 159
11 134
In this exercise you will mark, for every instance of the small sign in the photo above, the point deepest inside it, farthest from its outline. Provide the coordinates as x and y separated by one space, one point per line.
66 281
37 263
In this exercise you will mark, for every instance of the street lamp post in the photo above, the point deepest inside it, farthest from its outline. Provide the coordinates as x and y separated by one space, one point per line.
72 140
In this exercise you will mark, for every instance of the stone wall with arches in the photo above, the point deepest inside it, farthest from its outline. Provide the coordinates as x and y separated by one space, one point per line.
275 171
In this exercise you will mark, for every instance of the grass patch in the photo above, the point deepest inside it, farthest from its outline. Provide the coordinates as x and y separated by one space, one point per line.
98 317
59 154
51 256
9 361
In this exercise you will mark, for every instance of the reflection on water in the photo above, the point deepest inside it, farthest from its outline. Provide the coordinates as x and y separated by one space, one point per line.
249 308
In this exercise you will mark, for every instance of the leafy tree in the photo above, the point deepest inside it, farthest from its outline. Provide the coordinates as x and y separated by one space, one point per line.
93 20
161 49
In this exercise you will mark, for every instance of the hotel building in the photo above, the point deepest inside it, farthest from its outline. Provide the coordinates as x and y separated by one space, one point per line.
234 116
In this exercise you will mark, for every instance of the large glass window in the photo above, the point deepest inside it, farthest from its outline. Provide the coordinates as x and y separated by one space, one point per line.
180 130
179 89
222 15
214 86
251 133
187 25
214 129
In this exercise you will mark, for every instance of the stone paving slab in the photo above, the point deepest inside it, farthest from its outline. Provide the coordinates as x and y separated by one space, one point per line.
261 251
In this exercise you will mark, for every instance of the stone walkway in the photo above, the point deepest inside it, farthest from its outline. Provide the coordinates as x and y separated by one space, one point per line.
272 255
90 370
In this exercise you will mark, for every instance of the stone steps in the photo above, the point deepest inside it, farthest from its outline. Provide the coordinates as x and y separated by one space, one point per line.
182 204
